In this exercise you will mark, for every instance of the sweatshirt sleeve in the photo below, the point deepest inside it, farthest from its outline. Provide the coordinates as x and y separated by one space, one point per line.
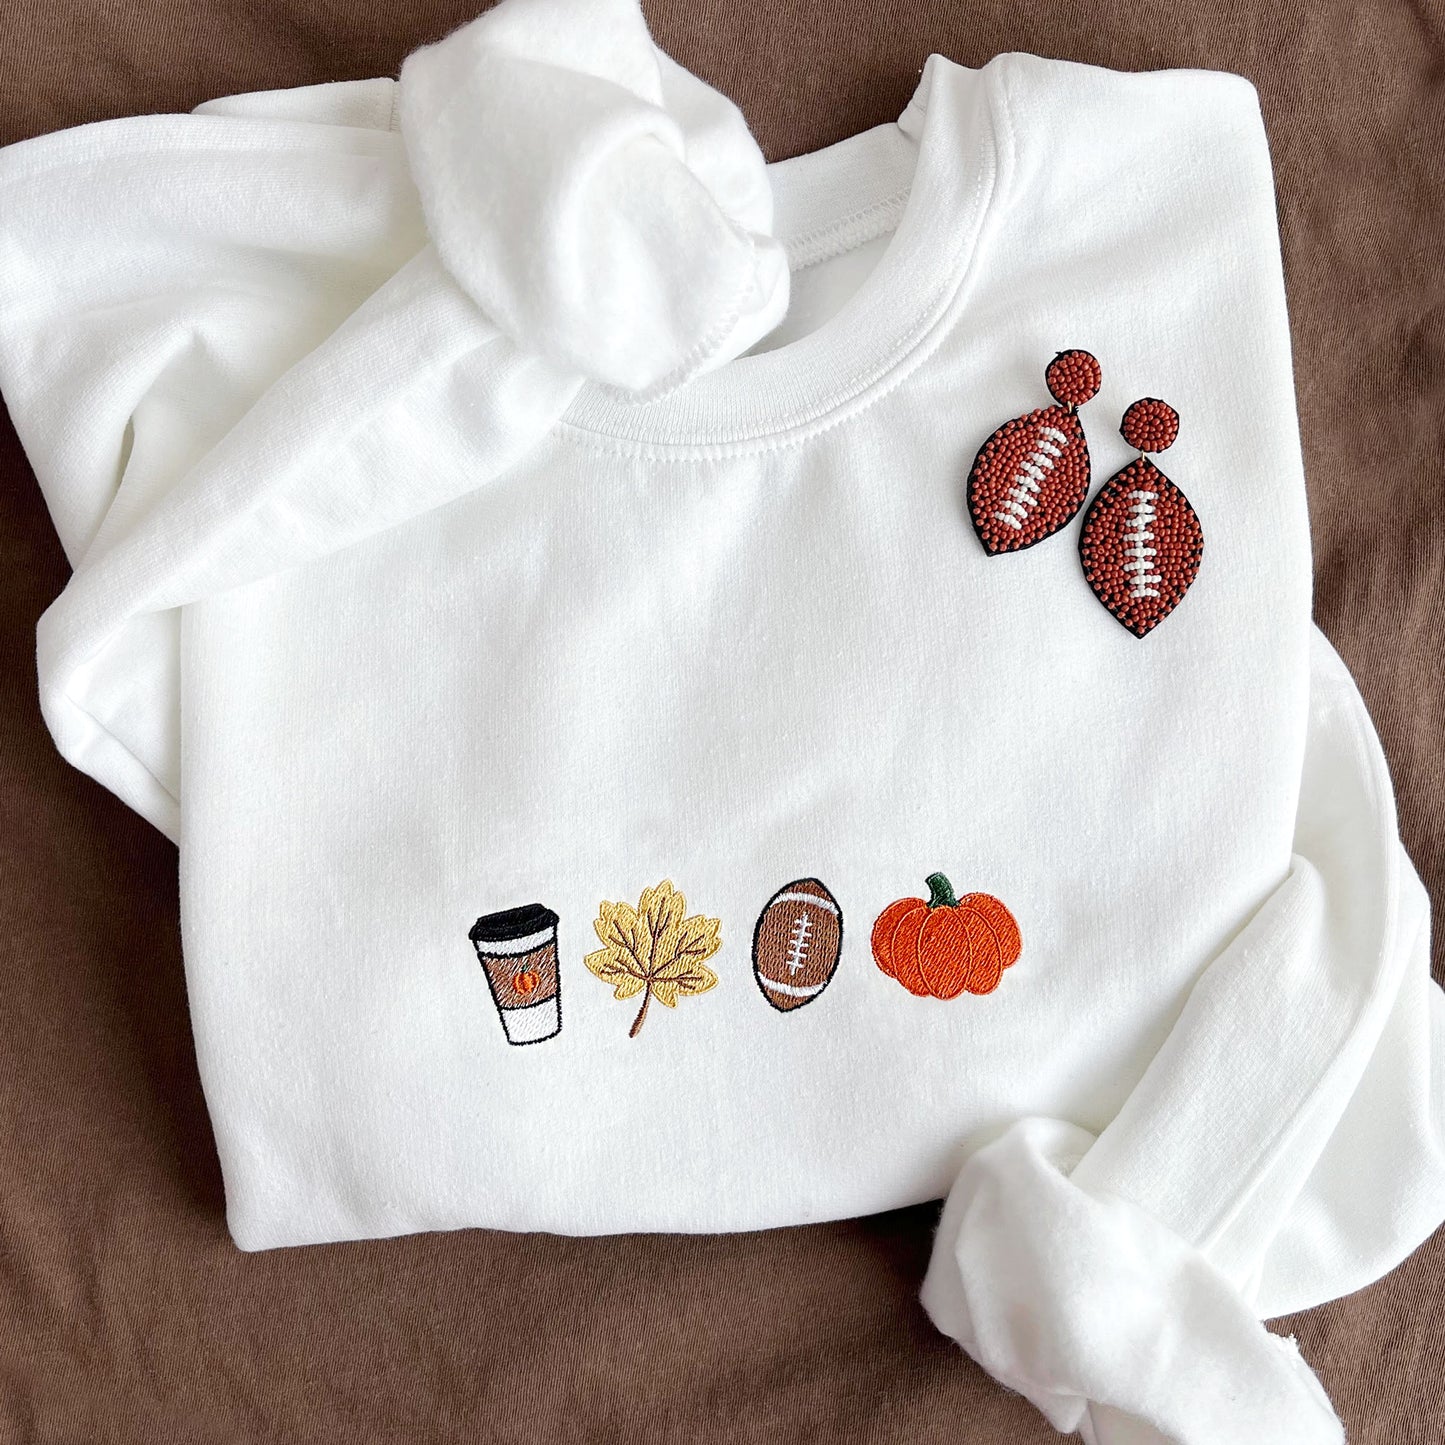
1283 1148
157 274
230 343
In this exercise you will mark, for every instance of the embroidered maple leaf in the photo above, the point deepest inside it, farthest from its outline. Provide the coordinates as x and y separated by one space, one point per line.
654 949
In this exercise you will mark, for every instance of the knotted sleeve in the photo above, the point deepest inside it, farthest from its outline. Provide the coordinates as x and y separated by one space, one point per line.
157 275
1284 1147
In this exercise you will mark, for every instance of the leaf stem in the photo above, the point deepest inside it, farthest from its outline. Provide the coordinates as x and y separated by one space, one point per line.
641 1013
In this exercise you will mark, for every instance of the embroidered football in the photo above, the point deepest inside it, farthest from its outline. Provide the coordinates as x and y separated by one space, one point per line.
1142 542
797 943
1031 476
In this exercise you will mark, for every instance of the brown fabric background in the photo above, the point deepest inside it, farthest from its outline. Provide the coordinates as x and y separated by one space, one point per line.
125 1313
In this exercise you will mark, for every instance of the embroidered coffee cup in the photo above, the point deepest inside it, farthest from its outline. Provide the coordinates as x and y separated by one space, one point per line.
517 949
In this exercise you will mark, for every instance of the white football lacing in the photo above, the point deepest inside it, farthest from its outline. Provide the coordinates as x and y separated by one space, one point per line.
1140 515
798 943
1024 493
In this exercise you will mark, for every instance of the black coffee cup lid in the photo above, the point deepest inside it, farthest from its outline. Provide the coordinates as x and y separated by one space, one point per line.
512 923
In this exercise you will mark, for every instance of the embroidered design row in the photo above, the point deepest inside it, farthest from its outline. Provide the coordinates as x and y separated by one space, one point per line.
1141 543
940 947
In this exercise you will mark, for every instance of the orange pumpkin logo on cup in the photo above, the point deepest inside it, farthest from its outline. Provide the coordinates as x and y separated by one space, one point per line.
944 946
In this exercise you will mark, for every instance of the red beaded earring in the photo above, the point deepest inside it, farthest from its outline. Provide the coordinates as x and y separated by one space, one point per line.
1141 541
1031 476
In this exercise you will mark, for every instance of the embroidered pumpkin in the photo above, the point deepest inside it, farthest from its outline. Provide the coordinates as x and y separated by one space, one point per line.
526 981
944 946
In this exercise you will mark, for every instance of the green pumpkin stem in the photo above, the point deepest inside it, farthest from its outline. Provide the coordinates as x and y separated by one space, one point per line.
940 892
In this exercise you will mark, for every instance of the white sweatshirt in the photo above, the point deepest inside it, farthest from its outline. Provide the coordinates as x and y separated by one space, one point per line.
515 662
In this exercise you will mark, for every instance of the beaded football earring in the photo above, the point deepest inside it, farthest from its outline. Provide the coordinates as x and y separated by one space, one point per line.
1141 542
1031 476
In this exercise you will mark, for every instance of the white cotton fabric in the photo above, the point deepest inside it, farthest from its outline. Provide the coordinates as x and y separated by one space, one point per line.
401 596
1052 1277
605 208
1100 1315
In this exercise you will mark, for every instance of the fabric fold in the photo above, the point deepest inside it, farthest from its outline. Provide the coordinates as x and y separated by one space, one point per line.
564 204
1115 1281
1110 1323
608 210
